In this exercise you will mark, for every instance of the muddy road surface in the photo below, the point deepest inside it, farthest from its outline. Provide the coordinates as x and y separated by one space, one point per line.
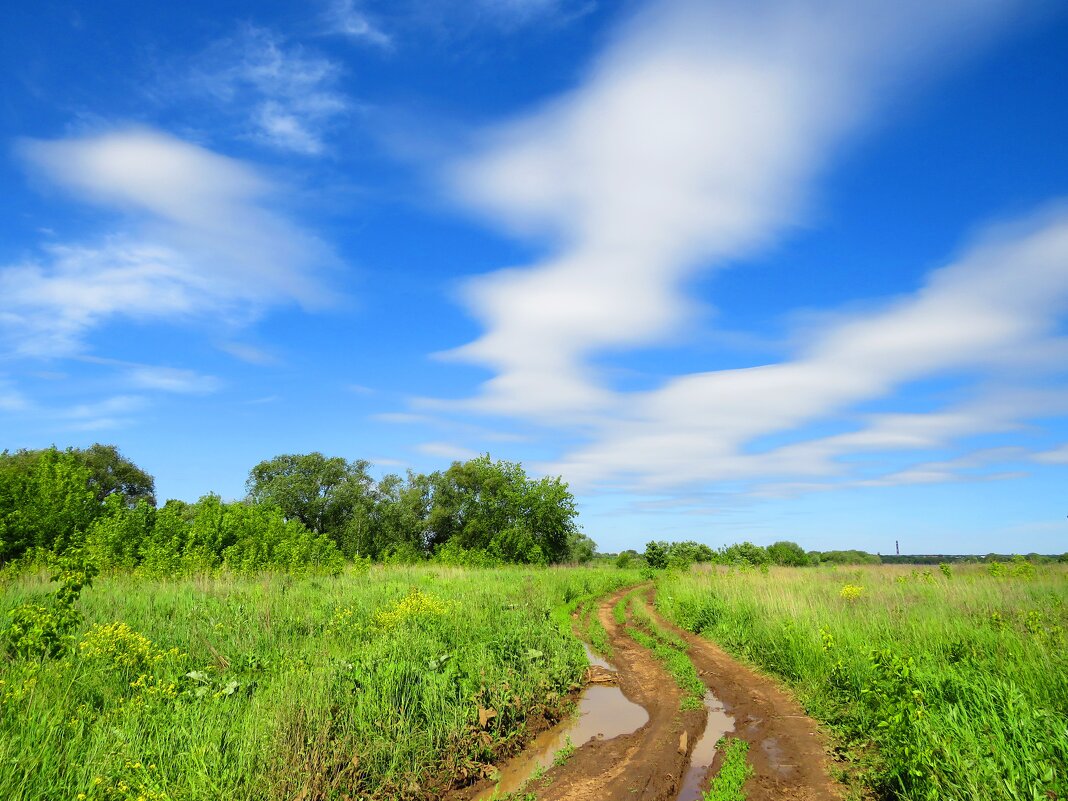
671 756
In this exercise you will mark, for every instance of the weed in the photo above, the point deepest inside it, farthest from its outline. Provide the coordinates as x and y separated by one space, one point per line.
728 782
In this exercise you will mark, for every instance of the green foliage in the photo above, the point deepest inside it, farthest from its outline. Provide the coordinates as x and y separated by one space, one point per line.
45 501
300 510
735 769
111 473
788 554
669 649
492 506
938 715
850 557
328 495
50 498
580 548
37 631
656 555
266 688
744 554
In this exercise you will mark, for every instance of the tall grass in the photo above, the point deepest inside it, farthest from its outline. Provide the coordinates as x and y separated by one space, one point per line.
945 685
383 684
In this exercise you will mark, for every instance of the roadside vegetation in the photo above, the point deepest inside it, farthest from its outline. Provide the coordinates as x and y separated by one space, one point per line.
387 682
941 684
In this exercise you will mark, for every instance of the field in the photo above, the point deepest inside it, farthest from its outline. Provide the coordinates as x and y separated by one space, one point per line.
265 688
410 682
941 684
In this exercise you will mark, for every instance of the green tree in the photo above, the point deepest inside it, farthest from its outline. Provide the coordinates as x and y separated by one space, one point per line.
656 555
117 538
580 548
111 473
492 506
328 495
45 501
788 553
745 553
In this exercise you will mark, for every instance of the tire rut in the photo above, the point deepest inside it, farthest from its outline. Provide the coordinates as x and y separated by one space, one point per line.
787 750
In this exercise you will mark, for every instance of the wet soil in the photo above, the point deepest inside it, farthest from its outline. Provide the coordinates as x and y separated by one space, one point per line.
788 751
668 756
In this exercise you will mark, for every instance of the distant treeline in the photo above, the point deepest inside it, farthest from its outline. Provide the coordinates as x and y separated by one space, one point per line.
660 554
302 512
939 559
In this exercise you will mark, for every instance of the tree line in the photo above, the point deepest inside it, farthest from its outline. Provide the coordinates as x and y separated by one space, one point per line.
301 512
660 554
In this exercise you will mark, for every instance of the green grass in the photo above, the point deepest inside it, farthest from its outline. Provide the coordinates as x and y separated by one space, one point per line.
594 632
948 687
735 769
667 647
369 684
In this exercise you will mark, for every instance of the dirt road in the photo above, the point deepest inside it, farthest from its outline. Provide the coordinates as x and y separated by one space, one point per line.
786 749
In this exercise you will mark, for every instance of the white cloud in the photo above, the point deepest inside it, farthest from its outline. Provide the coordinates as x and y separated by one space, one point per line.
249 353
201 242
285 96
111 412
1054 456
446 450
173 379
693 142
1006 295
344 18
517 13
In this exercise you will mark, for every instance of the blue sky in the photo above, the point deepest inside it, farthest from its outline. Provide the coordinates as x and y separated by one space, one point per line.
736 270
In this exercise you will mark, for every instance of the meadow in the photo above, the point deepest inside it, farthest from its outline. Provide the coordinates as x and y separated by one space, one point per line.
267 687
946 683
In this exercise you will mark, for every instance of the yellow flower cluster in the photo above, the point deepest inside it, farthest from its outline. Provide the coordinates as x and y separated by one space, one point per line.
414 605
341 620
137 784
154 687
851 592
16 690
123 647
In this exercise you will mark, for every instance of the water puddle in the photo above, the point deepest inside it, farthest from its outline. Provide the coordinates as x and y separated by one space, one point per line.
596 660
704 751
603 712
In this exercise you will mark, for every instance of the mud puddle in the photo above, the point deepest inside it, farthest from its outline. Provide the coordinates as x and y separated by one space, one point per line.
602 712
719 722
595 660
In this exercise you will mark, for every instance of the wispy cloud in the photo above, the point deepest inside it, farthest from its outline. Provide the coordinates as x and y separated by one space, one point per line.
113 412
1005 295
173 379
197 240
345 18
1054 456
693 142
283 95
250 354
446 450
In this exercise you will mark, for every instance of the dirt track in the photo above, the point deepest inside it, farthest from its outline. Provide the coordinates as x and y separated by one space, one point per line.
786 749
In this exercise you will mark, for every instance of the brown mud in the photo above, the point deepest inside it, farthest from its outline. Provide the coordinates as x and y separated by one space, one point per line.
668 757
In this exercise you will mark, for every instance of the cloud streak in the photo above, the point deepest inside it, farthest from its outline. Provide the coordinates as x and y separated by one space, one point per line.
284 96
693 142
1005 295
198 239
